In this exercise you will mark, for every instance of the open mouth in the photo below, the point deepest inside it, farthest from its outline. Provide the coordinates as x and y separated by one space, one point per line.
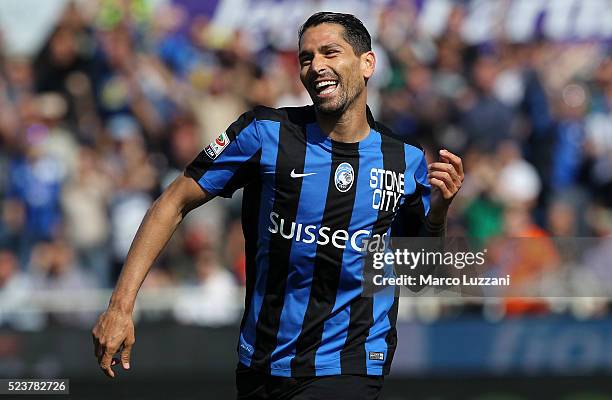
326 87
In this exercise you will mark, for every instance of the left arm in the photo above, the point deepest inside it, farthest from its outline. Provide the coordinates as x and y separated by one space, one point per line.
423 213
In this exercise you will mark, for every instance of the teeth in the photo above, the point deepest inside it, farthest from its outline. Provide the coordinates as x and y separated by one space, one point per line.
325 83
328 90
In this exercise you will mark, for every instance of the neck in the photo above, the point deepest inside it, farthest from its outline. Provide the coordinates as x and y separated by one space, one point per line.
350 126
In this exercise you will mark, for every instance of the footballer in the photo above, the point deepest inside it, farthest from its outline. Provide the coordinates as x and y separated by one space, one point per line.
318 181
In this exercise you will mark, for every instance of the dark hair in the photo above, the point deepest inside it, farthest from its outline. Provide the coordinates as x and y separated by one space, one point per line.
354 32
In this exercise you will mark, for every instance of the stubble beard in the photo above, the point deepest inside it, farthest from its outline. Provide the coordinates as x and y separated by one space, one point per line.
337 107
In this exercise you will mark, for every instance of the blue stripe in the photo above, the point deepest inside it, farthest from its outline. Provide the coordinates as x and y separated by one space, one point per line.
302 259
416 166
225 165
335 329
269 132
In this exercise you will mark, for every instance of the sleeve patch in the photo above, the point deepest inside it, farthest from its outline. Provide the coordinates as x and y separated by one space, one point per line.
217 146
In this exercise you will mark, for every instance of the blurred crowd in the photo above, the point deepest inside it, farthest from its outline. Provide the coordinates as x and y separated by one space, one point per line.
118 101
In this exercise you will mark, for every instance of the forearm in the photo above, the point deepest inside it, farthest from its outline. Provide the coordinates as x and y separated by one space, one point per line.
158 225
434 226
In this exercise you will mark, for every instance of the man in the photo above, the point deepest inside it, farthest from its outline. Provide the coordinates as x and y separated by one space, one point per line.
318 181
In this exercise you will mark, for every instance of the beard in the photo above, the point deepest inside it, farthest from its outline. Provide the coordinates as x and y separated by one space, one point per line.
339 103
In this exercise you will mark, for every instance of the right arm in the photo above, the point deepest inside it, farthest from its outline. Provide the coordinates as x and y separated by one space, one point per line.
228 163
114 329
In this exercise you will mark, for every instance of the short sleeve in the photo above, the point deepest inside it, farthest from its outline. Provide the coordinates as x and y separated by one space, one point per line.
231 161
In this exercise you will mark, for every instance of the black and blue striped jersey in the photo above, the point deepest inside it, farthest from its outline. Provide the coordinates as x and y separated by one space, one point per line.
308 204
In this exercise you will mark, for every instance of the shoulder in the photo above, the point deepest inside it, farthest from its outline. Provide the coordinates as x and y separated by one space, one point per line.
387 133
396 139
260 115
293 115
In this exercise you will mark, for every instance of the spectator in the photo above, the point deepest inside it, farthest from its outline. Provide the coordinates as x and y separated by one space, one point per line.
122 95
54 268
213 300
15 289
85 197
485 119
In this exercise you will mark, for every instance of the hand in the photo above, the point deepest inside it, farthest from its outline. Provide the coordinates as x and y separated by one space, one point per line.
113 332
446 178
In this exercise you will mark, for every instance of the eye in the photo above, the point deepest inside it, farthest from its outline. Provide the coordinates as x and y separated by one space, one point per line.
331 52
305 61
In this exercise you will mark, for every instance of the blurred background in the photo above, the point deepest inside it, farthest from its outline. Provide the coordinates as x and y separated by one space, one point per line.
103 103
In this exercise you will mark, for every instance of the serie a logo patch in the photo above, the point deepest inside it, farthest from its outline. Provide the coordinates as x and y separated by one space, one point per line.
216 147
376 355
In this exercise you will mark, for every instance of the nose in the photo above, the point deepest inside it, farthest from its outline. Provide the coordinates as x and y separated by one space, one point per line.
318 64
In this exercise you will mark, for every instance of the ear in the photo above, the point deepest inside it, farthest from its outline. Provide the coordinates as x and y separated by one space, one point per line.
368 63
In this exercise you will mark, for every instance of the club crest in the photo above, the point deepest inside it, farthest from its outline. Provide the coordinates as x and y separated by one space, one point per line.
344 177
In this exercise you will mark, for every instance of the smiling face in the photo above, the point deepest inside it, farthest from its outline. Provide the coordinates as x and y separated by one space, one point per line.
331 72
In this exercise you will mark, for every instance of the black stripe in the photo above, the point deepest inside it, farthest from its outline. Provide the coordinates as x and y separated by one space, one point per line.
246 173
291 155
238 126
328 265
391 337
251 201
353 354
